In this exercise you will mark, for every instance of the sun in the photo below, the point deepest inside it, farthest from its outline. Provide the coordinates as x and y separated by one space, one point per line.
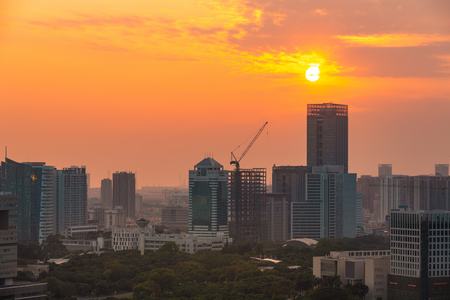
312 74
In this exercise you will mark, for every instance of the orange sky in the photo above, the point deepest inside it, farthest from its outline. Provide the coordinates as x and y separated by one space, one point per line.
151 86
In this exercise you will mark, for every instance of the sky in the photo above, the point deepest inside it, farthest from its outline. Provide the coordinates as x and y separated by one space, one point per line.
154 86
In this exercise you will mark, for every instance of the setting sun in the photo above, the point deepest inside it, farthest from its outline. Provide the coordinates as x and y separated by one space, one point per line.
312 74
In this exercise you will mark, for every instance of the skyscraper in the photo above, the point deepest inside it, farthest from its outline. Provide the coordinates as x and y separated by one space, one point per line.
208 199
43 198
441 169
247 207
420 265
331 208
327 135
71 197
290 180
124 192
8 238
106 192
16 179
384 170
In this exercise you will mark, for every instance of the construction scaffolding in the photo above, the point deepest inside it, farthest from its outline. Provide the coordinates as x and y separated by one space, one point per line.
247 205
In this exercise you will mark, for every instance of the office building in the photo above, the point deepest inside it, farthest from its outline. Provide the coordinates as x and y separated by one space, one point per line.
10 289
247 207
8 238
370 188
290 180
43 198
384 170
124 192
327 135
128 237
416 192
420 258
114 216
441 169
16 179
331 208
208 199
278 217
71 198
431 193
106 192
370 267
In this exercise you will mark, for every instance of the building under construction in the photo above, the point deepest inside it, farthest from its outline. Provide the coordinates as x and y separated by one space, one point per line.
247 205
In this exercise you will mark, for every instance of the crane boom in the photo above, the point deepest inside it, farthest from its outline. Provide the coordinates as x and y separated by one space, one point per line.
234 160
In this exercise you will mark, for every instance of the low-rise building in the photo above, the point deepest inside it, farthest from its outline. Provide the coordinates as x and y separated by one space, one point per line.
127 238
370 267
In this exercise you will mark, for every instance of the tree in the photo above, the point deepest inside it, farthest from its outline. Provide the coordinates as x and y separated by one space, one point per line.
329 293
359 289
164 277
332 281
258 249
170 247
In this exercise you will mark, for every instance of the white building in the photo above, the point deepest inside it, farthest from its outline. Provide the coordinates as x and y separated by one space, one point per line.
370 267
127 238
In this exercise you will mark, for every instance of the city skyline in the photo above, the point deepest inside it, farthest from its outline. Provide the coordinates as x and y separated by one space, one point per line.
137 86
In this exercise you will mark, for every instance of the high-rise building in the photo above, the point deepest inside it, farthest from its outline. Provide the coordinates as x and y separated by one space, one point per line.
384 170
16 179
420 259
43 199
9 288
124 192
441 169
208 199
8 238
247 207
106 192
327 135
331 208
278 217
370 188
290 180
71 198
416 192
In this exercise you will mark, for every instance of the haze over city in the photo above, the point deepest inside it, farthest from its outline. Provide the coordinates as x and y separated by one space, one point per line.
152 86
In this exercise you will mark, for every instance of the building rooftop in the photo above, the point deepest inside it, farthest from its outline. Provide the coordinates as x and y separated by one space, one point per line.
209 162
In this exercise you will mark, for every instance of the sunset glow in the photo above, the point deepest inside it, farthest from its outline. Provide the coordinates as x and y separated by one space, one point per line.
151 86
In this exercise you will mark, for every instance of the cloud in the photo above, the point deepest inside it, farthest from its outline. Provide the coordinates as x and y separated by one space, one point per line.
394 40
83 21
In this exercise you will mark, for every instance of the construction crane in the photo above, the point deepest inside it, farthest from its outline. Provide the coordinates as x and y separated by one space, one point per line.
234 160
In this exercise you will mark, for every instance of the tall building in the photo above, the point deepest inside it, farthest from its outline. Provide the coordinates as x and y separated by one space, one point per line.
106 192
16 179
420 259
331 208
247 207
9 287
278 217
208 199
71 198
384 170
124 192
8 238
290 180
327 135
416 192
370 188
43 199
441 169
